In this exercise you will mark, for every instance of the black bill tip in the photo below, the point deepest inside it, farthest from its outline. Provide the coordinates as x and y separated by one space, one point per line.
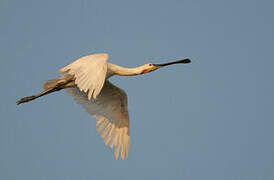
184 61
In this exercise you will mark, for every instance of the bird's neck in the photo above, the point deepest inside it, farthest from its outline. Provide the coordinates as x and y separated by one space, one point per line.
122 71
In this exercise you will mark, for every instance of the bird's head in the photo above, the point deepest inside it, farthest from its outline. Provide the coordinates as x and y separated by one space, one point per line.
152 67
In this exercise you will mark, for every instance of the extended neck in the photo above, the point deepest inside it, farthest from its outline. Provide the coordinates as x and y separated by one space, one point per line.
121 71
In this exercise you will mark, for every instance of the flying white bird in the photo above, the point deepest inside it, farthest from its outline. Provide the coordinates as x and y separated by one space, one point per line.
86 81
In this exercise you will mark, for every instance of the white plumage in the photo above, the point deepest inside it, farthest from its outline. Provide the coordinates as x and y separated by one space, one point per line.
111 113
109 108
89 72
86 81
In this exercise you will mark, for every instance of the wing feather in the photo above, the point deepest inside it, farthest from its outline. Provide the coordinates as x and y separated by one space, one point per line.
89 73
111 114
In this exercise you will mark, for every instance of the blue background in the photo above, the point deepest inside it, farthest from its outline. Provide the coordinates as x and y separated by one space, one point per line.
212 119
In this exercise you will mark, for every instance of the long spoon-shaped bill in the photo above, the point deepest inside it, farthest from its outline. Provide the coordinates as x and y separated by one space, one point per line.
183 61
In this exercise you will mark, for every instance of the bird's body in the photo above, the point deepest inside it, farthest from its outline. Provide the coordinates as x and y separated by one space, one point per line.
86 81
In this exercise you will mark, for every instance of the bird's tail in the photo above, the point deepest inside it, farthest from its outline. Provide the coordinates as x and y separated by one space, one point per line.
49 87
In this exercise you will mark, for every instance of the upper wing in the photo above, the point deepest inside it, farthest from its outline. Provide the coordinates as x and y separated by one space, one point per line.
89 73
111 113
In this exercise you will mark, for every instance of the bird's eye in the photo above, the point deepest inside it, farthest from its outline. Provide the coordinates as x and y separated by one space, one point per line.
150 64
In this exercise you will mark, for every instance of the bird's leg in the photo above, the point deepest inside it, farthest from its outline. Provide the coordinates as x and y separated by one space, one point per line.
56 85
30 98
69 84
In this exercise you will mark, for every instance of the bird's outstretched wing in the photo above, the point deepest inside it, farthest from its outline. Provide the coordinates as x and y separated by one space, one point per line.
111 113
89 73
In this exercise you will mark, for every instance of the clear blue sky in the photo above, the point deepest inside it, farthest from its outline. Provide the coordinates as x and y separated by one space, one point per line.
212 119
